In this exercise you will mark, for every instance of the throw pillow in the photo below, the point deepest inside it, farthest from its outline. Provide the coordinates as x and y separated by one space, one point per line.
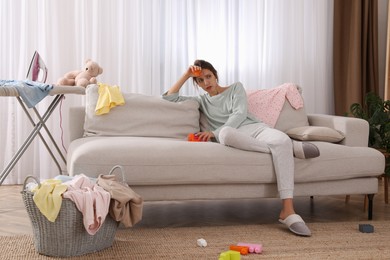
316 133
141 115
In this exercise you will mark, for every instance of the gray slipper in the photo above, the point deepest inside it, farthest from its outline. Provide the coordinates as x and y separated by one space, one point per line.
295 223
305 150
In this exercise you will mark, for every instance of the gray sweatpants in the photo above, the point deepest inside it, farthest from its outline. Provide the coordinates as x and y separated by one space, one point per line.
260 137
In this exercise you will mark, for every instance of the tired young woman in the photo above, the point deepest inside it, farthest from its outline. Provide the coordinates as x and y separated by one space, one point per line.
226 110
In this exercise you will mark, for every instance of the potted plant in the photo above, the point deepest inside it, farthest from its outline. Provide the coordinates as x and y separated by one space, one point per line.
377 113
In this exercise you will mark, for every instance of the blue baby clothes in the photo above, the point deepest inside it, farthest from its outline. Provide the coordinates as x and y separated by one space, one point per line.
32 92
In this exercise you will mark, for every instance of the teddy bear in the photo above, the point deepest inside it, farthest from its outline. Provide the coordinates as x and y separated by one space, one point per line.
82 77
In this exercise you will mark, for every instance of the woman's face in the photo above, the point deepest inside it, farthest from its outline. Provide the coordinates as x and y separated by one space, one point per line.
208 82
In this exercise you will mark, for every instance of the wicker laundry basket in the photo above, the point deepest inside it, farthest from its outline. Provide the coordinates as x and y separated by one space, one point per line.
67 235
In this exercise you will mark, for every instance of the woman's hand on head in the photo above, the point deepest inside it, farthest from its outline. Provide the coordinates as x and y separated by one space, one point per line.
193 71
205 136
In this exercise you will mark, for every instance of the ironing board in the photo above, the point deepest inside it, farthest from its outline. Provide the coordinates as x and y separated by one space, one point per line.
37 68
59 92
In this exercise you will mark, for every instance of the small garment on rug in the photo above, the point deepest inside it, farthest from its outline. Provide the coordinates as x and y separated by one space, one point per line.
126 205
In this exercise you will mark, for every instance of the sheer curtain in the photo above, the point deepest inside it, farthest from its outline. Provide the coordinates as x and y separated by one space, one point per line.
145 45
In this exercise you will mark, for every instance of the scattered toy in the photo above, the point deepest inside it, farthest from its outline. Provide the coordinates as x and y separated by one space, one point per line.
366 228
201 242
230 255
253 248
244 250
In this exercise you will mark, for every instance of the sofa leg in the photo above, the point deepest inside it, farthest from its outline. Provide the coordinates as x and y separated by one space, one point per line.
370 205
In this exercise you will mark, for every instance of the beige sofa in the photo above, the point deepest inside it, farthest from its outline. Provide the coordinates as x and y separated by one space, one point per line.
147 136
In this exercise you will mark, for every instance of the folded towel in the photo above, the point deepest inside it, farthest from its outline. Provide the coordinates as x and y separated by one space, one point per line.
109 97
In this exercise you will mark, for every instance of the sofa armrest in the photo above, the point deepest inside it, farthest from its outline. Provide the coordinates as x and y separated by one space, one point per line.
356 130
76 122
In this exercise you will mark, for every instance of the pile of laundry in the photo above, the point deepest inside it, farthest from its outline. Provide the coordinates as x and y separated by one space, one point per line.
94 198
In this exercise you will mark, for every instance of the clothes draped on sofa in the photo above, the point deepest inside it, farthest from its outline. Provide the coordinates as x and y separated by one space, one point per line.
267 104
109 97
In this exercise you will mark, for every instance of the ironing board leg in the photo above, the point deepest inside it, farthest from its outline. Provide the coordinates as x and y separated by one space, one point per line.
50 136
39 133
30 138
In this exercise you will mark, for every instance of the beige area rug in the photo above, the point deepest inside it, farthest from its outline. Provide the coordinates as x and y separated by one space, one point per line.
329 241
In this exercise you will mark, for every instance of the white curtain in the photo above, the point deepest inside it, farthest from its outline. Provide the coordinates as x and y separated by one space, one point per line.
145 45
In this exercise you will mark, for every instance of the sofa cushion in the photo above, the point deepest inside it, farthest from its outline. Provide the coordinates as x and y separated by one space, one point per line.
315 133
166 161
141 115
291 118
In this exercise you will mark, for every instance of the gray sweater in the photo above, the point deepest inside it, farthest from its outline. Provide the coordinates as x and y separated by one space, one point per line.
230 108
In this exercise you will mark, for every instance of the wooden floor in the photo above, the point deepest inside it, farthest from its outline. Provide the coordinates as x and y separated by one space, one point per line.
14 219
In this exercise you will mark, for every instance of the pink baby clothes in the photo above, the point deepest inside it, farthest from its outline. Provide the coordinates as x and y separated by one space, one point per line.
90 199
266 104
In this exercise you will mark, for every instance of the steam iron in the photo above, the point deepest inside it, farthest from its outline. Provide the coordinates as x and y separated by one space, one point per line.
37 70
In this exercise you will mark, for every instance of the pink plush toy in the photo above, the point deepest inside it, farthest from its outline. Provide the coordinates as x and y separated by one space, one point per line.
82 77
253 248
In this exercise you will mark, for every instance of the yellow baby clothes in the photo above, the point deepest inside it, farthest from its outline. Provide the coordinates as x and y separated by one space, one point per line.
109 97
48 198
